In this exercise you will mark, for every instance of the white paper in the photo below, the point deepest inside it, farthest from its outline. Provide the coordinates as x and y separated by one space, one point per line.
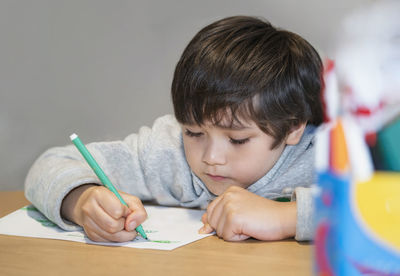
167 228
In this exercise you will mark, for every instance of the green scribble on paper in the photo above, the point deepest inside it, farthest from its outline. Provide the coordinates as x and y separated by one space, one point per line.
30 208
163 241
75 235
46 222
38 216
150 231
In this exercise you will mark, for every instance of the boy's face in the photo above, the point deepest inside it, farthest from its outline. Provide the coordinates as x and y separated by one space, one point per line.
229 156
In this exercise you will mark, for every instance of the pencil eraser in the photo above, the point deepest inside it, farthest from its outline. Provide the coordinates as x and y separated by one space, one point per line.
73 136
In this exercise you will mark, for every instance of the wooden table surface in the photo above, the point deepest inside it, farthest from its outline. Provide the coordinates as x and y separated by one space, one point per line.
209 256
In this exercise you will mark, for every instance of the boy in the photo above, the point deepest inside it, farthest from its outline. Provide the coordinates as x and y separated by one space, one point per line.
246 98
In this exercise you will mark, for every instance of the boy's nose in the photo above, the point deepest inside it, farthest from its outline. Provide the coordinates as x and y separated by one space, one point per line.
214 154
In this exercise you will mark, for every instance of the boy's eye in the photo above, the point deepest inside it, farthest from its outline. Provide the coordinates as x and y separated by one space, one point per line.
193 134
239 141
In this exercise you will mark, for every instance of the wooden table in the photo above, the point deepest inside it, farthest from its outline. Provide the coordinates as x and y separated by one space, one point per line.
209 256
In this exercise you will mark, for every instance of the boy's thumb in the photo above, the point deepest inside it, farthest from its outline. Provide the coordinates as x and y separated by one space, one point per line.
130 225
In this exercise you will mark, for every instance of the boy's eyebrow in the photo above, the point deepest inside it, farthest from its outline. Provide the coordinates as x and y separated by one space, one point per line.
233 126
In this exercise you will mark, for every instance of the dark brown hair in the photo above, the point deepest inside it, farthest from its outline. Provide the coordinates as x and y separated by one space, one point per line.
245 67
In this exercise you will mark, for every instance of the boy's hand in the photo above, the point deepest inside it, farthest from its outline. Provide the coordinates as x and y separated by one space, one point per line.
238 214
103 217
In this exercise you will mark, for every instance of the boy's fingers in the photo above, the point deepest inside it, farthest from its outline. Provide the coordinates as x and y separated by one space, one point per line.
91 229
232 232
105 221
236 237
135 218
214 212
211 207
94 237
206 229
204 219
132 201
137 213
122 236
110 203
96 233
126 211
221 226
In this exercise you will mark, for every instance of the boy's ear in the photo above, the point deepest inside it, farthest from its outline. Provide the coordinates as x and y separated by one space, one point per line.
295 134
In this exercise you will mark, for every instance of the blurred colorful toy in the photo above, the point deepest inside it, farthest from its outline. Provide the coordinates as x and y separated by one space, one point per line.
357 207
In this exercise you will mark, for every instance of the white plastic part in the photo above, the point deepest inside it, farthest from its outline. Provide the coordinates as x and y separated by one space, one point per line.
73 136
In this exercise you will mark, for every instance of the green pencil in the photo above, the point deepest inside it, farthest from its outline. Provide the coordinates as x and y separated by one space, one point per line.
100 174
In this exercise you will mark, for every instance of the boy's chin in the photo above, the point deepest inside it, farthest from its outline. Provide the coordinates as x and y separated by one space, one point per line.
218 189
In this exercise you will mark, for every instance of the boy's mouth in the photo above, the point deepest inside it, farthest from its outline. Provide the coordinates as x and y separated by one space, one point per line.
216 177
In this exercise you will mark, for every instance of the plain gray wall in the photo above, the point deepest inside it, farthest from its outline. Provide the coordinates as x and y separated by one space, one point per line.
102 69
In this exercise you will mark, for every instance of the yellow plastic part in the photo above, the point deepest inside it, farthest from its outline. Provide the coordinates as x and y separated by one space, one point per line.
378 201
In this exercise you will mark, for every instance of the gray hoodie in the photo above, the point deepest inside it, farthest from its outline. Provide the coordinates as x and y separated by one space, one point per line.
152 166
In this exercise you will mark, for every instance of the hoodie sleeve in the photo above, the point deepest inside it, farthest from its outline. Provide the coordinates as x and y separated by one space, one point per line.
305 207
150 164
